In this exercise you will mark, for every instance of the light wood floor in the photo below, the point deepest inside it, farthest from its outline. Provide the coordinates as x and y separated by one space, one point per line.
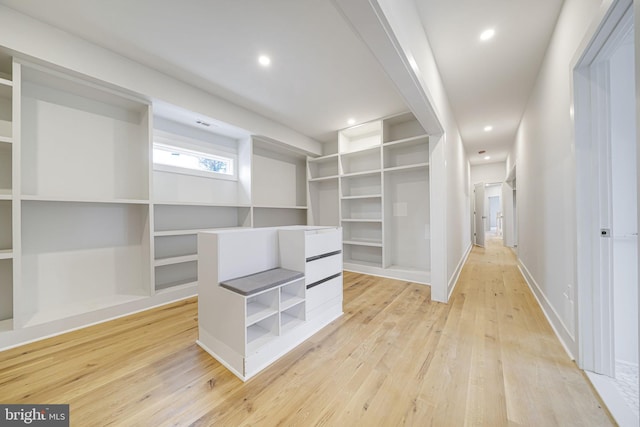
487 358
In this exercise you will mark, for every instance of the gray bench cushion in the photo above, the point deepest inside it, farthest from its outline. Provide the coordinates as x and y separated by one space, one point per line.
258 282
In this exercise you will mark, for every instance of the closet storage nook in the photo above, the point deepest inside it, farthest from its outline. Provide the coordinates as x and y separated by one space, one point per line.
93 226
263 291
376 187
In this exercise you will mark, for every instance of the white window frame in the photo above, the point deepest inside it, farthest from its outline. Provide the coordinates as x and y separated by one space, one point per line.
186 145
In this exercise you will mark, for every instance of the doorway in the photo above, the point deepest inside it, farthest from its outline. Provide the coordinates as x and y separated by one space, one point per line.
607 219
487 211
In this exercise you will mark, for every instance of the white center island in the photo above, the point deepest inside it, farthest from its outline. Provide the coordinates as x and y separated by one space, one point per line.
263 291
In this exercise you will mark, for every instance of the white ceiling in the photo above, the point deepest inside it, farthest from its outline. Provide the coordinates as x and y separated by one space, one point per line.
321 72
488 83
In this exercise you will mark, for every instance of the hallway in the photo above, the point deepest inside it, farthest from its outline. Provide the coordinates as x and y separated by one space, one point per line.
489 358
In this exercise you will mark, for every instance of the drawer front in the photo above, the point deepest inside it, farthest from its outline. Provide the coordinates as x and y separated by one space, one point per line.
324 292
322 243
321 268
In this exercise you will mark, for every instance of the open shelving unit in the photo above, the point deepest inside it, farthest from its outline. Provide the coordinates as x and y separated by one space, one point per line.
90 229
80 141
265 290
381 197
278 185
83 197
83 257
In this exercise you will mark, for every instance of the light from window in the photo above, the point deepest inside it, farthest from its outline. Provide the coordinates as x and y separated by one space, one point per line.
203 163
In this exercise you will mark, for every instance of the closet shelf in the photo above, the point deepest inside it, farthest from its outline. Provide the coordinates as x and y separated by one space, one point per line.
414 139
324 178
366 196
177 285
361 220
322 158
6 139
360 151
6 253
408 167
39 198
372 243
369 172
187 232
175 260
221 205
279 207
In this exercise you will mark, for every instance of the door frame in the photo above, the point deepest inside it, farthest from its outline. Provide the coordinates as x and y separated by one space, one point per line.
593 196
479 218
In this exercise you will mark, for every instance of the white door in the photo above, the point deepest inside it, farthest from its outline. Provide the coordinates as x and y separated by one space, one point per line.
507 215
607 214
479 215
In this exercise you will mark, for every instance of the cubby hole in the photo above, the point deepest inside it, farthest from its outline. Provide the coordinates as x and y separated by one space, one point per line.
323 167
6 230
292 294
362 185
81 257
169 276
262 332
407 220
360 137
363 255
324 197
292 317
261 306
5 169
193 217
362 161
365 233
175 246
276 217
362 209
401 127
80 141
279 176
414 152
6 293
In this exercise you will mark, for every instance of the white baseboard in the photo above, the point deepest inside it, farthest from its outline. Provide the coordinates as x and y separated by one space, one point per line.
611 397
550 313
456 274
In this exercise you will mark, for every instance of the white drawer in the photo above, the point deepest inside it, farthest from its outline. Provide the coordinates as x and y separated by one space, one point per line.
318 243
323 292
321 268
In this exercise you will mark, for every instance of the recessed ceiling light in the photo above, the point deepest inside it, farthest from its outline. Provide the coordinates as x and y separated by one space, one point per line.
488 128
264 60
487 34
487 157
351 122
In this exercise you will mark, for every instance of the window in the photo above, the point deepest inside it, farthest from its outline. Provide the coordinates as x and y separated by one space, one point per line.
176 158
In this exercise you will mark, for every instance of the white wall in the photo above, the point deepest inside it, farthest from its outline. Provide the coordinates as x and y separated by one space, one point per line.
544 153
28 36
489 173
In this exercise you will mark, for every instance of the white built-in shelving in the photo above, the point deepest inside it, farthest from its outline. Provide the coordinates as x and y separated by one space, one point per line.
7 207
83 197
89 228
380 196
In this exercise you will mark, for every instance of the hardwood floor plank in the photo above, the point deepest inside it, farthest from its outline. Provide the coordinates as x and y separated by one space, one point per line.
487 358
